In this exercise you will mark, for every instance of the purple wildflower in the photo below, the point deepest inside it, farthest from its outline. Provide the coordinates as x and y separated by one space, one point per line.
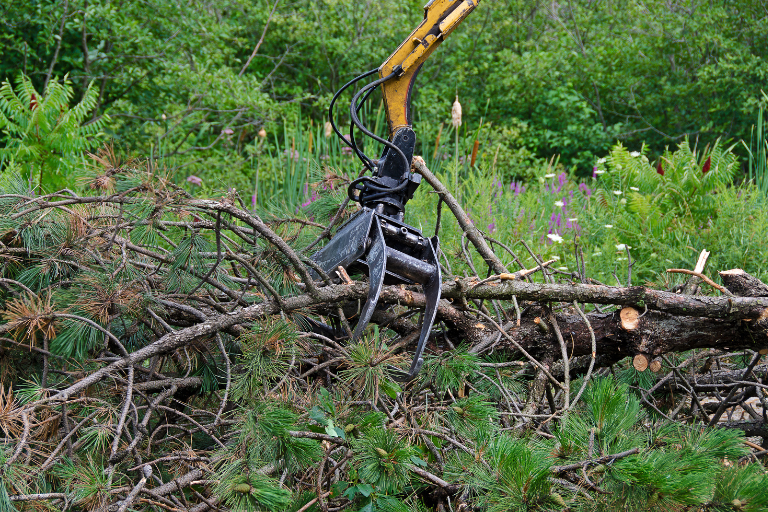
585 189
194 180
311 199
293 154
346 150
516 188
555 221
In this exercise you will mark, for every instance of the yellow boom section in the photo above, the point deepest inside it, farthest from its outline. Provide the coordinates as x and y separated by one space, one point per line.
440 18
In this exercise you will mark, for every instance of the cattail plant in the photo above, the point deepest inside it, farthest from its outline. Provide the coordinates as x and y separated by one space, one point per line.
456 121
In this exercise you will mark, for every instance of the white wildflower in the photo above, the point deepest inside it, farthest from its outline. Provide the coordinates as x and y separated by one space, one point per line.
555 238
556 258
559 204
597 253
602 160
623 247
550 175
635 189
609 226
634 154
562 268
617 192
573 219
599 171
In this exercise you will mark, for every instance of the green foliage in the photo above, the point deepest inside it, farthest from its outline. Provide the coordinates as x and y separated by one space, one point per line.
511 476
269 426
450 370
690 207
757 168
243 490
43 134
608 415
11 474
682 185
471 415
662 480
741 488
367 374
563 79
88 483
381 460
266 352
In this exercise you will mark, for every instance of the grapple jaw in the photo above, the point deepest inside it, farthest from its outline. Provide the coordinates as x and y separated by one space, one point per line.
390 252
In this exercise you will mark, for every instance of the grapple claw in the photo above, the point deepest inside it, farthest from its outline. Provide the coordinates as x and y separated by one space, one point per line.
376 260
389 252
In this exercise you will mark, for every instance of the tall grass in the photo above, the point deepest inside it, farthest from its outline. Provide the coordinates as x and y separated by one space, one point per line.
758 153
298 154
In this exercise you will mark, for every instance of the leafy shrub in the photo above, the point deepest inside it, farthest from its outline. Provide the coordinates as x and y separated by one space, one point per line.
43 134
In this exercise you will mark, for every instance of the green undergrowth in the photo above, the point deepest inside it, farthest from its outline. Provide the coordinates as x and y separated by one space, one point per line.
637 462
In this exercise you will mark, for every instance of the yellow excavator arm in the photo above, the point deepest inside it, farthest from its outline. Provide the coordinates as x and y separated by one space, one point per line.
376 239
440 18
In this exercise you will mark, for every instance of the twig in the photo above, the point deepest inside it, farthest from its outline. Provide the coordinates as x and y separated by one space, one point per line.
311 502
566 361
261 39
515 275
38 497
594 352
701 276
146 473
594 462
223 350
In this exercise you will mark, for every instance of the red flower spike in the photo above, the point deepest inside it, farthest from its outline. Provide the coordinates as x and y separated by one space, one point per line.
660 169
707 165
33 102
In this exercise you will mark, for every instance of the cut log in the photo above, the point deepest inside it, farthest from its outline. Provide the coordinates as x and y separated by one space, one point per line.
630 318
640 362
742 284
655 365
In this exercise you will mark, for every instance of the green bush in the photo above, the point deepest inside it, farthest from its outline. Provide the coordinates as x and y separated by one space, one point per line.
44 135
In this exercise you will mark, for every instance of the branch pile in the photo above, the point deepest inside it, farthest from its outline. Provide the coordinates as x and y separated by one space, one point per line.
161 352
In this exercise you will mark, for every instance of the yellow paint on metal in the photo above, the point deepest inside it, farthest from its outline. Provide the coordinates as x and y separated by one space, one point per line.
440 18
